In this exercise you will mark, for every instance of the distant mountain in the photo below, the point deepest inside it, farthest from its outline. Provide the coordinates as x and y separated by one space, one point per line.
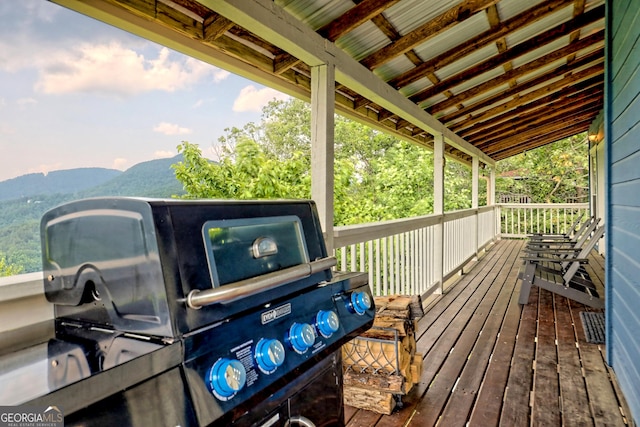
64 181
154 178
24 200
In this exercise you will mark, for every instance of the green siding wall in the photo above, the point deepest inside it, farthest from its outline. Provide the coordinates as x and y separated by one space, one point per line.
623 223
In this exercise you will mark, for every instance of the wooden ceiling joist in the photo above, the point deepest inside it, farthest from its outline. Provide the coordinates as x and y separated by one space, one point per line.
523 70
490 36
365 11
430 29
514 91
512 106
511 54
518 147
555 89
538 125
551 103
536 119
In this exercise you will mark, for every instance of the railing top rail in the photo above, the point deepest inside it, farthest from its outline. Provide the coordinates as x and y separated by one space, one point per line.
545 205
351 234
21 286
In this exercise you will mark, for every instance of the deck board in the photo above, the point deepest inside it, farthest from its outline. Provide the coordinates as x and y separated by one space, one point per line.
490 361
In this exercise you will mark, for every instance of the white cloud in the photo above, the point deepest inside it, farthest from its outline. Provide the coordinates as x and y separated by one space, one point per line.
253 99
113 69
25 102
6 129
163 154
218 74
120 163
171 129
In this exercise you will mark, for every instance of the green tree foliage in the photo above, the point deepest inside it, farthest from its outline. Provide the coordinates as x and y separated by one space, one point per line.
554 173
377 176
8 269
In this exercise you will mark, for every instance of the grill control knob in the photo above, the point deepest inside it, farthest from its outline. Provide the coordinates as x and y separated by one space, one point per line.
359 302
327 322
269 354
301 337
226 377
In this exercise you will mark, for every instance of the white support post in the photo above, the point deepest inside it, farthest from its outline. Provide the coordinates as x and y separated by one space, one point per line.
491 188
438 208
475 177
322 145
491 201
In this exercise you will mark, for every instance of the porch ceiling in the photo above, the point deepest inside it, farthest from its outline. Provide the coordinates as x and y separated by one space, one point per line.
496 77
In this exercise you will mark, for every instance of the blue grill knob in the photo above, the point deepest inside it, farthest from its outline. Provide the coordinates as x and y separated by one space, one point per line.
327 322
226 377
301 337
360 302
269 354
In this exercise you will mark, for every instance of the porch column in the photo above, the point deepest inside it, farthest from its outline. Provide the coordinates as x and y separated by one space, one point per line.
322 150
491 201
438 208
491 197
475 177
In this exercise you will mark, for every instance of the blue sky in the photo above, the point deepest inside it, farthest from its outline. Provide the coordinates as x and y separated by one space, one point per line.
75 92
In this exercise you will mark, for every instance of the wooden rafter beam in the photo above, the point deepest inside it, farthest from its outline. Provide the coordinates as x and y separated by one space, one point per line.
451 17
354 17
190 5
558 100
522 71
548 129
527 46
578 9
215 26
557 88
521 87
533 138
521 146
538 121
536 115
490 36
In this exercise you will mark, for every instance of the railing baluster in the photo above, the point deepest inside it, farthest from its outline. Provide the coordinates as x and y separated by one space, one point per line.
370 269
402 261
392 251
384 266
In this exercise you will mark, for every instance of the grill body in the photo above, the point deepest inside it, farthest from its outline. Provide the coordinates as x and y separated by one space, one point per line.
171 312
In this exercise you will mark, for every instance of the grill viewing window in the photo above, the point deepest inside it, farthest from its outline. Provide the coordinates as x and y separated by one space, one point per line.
243 248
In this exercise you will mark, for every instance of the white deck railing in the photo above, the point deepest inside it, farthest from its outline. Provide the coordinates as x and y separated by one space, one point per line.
408 256
414 256
520 220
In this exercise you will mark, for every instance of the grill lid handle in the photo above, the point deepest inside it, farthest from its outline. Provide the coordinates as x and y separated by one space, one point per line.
243 288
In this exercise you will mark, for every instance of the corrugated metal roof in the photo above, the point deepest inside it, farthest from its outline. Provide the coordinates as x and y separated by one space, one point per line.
518 68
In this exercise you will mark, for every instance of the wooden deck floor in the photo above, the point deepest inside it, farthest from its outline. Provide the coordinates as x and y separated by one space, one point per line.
489 361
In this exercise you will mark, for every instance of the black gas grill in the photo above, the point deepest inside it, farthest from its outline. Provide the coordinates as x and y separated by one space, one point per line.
171 312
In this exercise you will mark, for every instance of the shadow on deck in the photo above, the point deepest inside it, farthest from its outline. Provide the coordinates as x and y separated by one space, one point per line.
489 361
